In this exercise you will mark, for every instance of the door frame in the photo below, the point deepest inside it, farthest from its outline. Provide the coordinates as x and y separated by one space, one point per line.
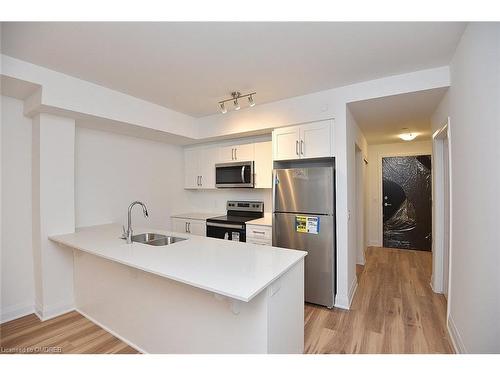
438 244
381 190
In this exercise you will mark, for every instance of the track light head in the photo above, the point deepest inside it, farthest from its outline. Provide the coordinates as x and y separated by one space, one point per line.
223 108
251 101
236 105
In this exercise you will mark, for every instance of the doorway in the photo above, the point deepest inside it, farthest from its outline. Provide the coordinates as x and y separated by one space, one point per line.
407 202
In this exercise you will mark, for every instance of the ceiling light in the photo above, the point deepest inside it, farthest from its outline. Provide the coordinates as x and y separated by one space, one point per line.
407 136
235 98
251 101
223 108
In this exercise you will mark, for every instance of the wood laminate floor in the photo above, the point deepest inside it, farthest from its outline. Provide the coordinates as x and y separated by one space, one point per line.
394 311
68 333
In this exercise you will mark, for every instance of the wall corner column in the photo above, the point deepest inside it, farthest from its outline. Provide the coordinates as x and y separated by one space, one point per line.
53 193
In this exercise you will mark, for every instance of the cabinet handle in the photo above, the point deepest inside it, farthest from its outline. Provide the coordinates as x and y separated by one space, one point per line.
188 227
235 154
201 180
297 147
232 154
302 147
259 231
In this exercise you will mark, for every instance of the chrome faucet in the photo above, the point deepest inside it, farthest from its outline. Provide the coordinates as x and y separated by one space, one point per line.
128 233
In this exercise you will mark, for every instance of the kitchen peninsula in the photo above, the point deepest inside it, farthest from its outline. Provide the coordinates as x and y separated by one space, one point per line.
198 295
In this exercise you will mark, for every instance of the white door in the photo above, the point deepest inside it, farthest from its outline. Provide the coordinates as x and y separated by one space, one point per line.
191 179
197 227
179 225
286 143
263 165
315 141
244 152
207 161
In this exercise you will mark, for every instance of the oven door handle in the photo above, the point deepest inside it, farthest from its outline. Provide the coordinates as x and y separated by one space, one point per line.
243 173
222 225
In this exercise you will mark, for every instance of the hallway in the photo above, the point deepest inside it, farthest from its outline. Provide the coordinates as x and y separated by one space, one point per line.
394 310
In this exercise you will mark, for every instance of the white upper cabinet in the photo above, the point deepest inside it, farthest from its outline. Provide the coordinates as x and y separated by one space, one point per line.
231 153
191 175
263 165
199 168
286 143
315 140
305 141
199 163
208 159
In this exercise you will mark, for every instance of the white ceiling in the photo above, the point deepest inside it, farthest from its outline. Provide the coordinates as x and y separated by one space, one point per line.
189 66
382 119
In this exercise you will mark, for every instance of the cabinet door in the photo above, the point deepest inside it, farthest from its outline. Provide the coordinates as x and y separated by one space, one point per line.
315 140
263 165
179 225
226 154
286 143
244 152
197 227
191 179
207 160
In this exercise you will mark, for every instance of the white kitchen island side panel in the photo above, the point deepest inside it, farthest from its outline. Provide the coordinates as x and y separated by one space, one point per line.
159 315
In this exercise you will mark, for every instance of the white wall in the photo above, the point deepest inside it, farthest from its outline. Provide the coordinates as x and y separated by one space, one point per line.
214 201
113 170
17 292
355 139
474 97
375 153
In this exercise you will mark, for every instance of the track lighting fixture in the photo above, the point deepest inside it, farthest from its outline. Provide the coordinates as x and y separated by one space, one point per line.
236 96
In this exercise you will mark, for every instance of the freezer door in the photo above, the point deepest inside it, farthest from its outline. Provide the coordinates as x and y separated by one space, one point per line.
320 260
307 190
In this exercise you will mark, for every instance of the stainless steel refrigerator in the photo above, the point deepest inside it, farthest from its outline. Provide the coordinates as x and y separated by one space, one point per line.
304 219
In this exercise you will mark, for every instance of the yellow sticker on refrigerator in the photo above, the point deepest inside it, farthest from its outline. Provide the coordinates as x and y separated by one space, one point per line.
307 224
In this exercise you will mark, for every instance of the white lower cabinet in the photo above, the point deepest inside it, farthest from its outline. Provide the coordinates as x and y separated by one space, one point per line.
259 234
197 227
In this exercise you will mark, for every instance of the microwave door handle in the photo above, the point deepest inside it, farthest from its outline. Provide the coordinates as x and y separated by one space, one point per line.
243 173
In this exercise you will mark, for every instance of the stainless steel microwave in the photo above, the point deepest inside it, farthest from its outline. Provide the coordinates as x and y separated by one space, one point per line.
234 175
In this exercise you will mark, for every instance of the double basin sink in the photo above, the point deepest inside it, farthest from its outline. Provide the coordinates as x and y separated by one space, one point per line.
156 239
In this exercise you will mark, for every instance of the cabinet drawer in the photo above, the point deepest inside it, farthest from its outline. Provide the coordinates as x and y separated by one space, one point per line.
259 232
265 242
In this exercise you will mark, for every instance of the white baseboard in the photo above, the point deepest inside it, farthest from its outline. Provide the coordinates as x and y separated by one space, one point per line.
49 312
16 311
374 243
344 301
139 349
456 339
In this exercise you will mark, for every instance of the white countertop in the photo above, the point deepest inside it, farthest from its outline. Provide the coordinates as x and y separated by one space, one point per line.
267 220
234 269
196 215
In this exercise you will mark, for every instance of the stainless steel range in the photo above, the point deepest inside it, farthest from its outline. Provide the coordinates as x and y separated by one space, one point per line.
232 226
